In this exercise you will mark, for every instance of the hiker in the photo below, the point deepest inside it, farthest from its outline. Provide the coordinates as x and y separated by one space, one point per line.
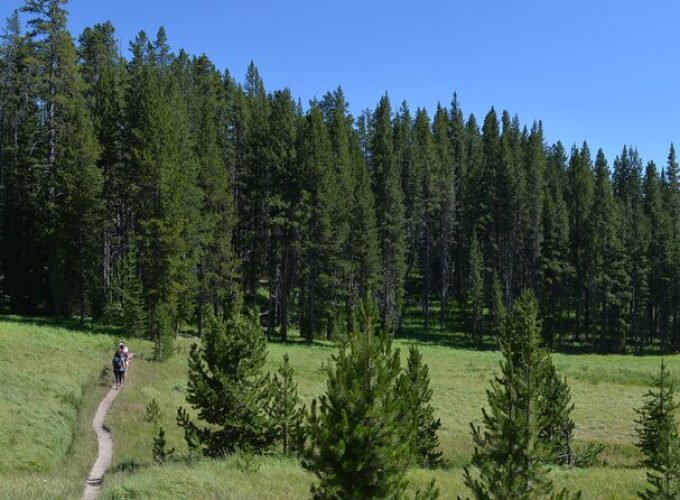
125 353
118 368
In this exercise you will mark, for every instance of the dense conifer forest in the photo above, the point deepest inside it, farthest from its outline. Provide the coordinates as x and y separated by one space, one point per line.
149 190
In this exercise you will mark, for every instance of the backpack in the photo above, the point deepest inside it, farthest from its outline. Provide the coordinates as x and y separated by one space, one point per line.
118 363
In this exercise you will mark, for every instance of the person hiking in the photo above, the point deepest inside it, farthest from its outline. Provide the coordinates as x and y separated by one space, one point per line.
122 348
118 368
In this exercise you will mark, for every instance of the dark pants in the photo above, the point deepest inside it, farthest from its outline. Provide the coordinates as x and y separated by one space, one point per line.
118 376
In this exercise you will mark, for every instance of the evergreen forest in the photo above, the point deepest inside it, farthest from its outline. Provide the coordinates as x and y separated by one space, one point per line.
156 190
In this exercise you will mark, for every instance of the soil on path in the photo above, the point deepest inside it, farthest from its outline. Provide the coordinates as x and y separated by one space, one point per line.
105 448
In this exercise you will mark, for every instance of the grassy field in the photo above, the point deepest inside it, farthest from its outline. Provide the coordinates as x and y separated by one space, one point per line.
605 390
51 387
49 391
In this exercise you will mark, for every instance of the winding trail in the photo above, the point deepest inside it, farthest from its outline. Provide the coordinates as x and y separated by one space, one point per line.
105 447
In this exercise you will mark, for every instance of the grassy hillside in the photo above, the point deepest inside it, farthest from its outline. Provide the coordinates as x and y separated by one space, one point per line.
605 390
48 392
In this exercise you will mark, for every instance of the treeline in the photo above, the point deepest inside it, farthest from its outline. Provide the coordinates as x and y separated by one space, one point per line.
147 190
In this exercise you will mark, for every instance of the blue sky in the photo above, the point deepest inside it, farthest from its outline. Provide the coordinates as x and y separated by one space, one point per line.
601 70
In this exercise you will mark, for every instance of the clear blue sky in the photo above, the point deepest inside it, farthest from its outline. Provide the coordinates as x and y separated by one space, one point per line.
602 70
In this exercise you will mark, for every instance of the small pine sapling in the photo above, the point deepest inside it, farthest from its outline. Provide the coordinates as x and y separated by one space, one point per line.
160 451
657 431
284 410
415 388
105 376
153 412
556 427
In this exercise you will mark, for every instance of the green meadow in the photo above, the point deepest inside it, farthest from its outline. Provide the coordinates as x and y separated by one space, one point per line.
52 384
49 390
605 390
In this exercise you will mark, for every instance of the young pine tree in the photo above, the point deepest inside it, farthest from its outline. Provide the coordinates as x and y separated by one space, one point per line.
556 427
358 435
415 383
160 450
227 387
657 431
284 412
507 455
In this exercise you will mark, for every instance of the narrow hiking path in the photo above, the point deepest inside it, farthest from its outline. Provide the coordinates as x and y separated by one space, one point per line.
104 447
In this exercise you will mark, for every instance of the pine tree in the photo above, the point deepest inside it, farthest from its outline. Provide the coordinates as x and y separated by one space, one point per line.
163 332
669 320
659 243
166 199
79 189
160 450
215 262
227 387
509 208
253 182
315 217
363 230
338 122
579 193
424 206
657 432
285 412
610 276
486 185
104 73
445 200
506 456
462 155
23 235
634 234
283 204
135 317
555 267
412 154
536 160
556 426
358 435
73 182
656 424
153 413
389 205
47 35
415 389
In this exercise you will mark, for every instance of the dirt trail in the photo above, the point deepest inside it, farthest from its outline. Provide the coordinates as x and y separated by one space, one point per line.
105 448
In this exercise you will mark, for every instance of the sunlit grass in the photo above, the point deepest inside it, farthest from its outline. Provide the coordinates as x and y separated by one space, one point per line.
605 390
48 392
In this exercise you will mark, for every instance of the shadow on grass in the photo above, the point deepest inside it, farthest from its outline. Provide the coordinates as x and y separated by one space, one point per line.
65 323
449 333
453 333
